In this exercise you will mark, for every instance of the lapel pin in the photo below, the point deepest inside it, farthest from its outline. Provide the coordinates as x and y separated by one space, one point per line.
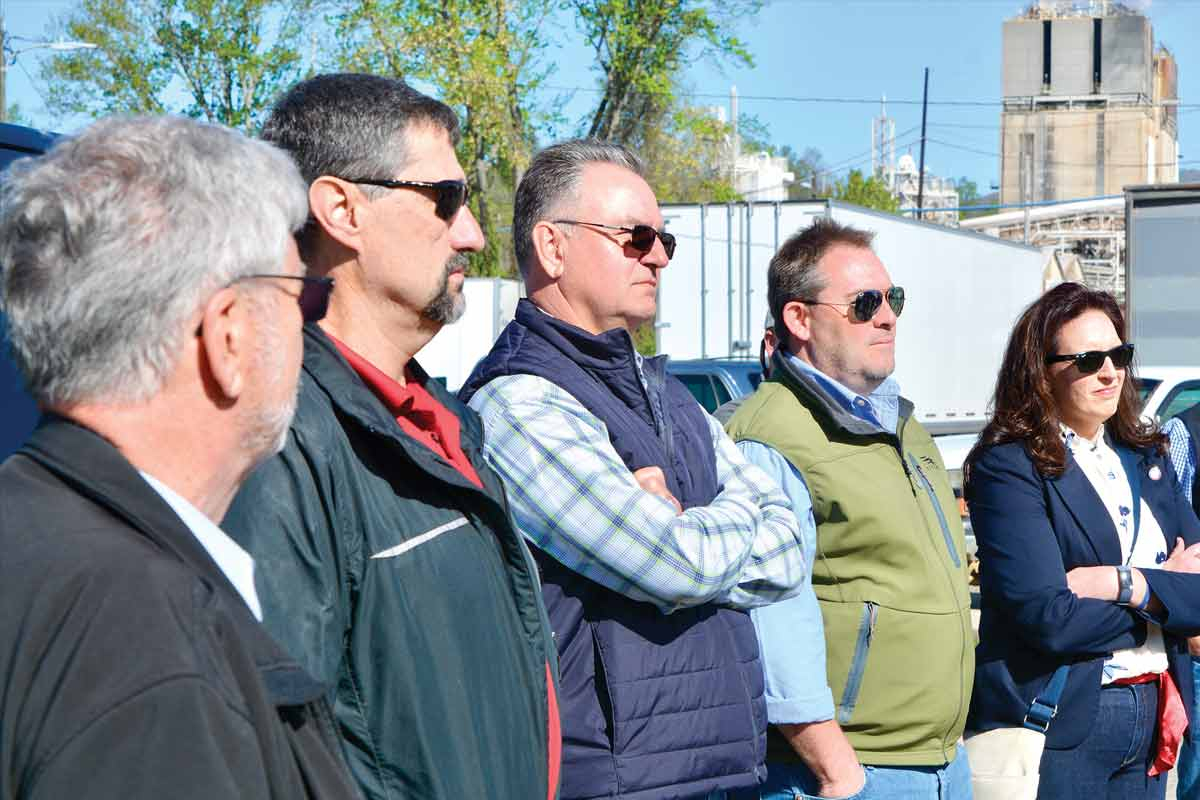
1155 473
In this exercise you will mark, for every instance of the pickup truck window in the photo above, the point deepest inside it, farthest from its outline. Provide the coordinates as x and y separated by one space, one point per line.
708 393
1182 398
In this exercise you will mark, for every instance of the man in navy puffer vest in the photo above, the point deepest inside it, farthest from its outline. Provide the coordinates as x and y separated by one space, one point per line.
651 532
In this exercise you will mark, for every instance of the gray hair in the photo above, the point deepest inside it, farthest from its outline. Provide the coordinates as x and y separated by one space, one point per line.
113 239
793 274
552 179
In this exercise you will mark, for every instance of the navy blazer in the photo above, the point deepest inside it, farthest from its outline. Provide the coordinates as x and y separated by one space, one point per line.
1031 530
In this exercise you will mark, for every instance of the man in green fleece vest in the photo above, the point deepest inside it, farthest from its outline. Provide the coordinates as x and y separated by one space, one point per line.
889 575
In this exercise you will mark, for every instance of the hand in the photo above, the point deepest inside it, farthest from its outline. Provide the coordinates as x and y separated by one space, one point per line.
1183 558
844 786
652 480
1098 583
1194 646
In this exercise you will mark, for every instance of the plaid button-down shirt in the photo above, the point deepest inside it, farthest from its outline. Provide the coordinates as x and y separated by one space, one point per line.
573 496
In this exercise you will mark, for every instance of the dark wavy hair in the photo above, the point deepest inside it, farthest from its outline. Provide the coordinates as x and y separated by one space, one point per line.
1023 407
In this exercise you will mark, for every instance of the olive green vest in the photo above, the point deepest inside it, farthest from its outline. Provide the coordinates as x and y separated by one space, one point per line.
890 573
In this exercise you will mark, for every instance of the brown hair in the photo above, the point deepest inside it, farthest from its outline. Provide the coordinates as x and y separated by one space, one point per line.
1023 407
792 273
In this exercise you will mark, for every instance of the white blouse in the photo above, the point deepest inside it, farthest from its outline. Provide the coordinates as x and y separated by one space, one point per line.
1102 466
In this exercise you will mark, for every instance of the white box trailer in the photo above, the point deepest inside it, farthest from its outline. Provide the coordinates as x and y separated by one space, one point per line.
452 354
964 291
1162 272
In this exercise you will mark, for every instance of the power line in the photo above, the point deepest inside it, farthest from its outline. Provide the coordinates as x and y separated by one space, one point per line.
874 101
1091 164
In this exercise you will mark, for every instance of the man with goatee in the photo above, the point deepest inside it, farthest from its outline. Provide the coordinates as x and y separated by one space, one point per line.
391 568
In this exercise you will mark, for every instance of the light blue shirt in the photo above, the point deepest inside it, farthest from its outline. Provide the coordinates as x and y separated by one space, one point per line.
236 563
791 634
881 407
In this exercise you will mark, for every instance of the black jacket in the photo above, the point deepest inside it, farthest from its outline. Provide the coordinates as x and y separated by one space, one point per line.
395 579
131 667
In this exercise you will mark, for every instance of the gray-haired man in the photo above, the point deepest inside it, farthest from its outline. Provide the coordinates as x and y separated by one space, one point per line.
652 532
154 308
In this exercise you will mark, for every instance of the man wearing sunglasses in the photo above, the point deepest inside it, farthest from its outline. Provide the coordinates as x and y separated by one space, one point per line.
396 574
877 712
650 530
165 355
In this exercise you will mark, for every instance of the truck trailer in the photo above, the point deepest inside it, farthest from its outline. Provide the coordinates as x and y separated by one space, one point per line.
964 291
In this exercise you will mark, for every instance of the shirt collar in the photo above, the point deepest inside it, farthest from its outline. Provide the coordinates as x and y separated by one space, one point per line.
236 563
881 407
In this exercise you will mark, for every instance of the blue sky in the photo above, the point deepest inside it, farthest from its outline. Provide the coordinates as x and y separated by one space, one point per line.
817 48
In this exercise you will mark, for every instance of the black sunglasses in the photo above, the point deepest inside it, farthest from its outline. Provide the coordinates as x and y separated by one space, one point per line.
1092 360
449 196
641 237
866 304
314 295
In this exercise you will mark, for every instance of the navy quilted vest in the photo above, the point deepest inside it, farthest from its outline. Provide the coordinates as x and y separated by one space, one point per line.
653 706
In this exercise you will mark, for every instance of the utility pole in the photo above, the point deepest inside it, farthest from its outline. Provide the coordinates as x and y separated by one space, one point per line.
921 166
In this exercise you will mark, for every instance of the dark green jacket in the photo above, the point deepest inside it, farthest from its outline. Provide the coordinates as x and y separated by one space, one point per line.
890 574
397 581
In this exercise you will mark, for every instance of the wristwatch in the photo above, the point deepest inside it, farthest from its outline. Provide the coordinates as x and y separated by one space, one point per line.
1124 585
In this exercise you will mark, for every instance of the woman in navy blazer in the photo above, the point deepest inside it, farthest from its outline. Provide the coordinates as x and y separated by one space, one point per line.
1057 581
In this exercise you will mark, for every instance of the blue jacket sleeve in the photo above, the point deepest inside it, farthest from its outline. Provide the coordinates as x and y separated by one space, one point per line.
791 635
1179 592
1022 567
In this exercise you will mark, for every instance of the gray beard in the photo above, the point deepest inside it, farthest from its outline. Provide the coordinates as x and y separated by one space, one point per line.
447 306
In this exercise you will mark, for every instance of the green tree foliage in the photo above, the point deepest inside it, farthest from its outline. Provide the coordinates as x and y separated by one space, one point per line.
687 158
641 49
968 194
219 60
482 58
867 192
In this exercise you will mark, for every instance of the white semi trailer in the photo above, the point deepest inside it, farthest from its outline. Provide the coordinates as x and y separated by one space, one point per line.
964 291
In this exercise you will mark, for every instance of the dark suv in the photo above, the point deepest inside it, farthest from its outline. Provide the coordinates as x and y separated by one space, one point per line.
18 414
716 381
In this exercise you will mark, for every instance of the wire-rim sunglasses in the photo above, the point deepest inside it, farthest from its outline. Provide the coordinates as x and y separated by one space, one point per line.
866 304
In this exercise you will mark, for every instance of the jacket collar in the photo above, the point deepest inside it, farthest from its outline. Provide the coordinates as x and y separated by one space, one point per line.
818 399
610 350
326 368
94 468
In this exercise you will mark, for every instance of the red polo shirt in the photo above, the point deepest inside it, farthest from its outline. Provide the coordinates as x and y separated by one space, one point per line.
417 412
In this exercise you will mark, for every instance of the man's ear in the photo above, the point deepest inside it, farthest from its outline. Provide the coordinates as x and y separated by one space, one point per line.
550 248
797 319
338 207
225 329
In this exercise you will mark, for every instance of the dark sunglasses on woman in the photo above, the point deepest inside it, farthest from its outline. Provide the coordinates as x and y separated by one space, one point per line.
866 304
1093 360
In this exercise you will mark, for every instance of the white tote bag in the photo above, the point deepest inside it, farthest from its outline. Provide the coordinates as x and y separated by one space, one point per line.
1005 761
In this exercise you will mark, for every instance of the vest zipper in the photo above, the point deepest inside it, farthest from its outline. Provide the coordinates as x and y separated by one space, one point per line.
937 507
858 665
949 577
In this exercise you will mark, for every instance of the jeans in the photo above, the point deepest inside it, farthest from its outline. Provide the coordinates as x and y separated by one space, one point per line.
1111 762
948 782
1189 755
